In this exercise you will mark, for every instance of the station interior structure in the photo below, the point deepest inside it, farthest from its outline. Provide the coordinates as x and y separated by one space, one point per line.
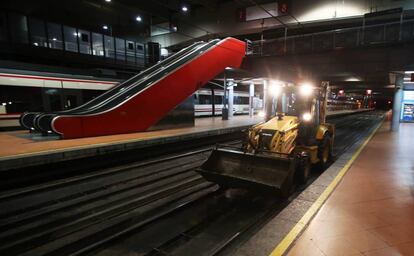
207 127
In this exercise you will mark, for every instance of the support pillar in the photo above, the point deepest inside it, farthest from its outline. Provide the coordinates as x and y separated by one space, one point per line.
251 95
231 97
396 108
224 111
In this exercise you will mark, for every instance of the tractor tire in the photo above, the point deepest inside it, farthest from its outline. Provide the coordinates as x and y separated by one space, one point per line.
324 152
303 170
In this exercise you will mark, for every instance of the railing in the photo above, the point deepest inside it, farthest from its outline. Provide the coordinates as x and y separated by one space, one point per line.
388 33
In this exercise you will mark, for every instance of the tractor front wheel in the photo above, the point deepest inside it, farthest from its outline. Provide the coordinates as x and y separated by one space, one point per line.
324 152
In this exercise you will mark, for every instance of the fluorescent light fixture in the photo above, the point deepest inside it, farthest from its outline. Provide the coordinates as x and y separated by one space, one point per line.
228 68
105 27
108 1
409 72
184 8
138 18
54 39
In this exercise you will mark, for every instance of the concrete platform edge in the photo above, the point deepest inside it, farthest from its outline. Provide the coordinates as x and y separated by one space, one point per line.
289 221
52 156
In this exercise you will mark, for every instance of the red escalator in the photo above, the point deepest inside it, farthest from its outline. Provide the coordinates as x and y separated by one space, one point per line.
143 109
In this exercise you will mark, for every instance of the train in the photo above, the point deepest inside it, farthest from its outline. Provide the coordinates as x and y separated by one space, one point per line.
22 91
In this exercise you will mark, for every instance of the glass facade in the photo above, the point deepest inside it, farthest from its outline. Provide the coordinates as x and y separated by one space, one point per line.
18 28
84 41
71 39
97 44
55 39
120 49
39 33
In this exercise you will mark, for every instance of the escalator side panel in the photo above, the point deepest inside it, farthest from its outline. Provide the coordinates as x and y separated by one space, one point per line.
144 109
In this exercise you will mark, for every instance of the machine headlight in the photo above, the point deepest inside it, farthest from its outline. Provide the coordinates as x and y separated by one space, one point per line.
306 90
306 117
262 114
275 88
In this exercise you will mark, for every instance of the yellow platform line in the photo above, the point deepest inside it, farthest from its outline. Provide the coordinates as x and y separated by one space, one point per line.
303 222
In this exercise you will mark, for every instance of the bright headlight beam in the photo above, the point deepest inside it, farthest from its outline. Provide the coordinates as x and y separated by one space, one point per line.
306 89
307 116
275 88
261 114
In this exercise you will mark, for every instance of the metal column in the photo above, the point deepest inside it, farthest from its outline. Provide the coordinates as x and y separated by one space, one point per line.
396 108
231 97
251 95
224 111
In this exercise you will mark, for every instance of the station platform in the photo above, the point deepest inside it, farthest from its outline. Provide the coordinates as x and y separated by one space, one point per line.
371 210
363 204
21 149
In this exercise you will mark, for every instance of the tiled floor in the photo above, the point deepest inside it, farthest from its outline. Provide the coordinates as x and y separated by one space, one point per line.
19 142
371 212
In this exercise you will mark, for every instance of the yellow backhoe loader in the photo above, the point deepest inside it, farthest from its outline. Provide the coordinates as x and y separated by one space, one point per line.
281 150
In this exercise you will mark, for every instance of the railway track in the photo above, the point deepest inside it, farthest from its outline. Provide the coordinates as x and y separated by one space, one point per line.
158 207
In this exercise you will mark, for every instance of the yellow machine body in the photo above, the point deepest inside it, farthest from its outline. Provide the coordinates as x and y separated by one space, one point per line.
273 152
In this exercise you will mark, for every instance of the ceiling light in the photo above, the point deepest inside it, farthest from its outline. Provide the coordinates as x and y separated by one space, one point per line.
54 39
138 18
105 27
108 1
184 8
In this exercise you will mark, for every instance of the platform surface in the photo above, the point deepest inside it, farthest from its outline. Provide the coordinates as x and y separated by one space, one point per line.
371 211
20 144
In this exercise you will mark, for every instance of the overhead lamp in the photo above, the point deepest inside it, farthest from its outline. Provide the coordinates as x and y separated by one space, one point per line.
54 39
369 92
108 1
138 18
306 89
105 27
341 92
184 8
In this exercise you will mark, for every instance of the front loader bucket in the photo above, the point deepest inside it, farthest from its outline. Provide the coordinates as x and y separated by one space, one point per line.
256 172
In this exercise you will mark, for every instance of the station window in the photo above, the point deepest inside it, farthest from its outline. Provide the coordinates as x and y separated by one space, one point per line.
109 47
140 55
97 44
130 52
37 32
84 41
204 99
18 28
120 49
218 99
55 36
71 39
